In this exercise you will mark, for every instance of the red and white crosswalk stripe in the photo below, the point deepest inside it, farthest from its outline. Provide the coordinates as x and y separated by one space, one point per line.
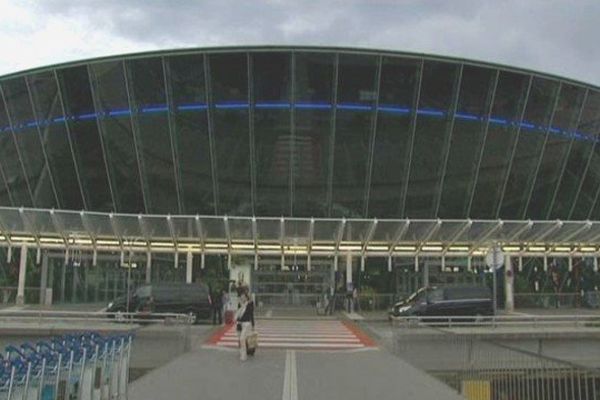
294 334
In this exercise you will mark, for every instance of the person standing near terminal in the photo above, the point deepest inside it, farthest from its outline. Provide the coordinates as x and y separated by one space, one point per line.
217 308
245 322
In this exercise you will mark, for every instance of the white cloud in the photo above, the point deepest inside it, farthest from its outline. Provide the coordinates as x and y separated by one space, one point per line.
551 36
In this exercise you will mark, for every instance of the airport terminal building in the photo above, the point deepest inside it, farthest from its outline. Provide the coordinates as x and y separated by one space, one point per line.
301 170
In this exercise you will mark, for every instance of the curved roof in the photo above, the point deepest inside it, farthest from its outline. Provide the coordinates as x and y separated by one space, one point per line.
300 131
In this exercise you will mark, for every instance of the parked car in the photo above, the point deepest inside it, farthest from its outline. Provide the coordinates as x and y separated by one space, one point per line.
446 301
184 298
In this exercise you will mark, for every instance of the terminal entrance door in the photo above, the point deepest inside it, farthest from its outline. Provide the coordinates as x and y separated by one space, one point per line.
291 285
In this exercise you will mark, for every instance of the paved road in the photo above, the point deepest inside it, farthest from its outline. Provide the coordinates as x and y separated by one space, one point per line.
289 374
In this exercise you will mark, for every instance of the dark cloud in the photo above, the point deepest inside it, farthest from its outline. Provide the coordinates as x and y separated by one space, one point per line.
552 36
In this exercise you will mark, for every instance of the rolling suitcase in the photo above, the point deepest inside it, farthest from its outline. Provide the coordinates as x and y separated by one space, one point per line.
251 343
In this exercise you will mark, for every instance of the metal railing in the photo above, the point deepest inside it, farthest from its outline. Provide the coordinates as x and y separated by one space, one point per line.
93 316
589 299
498 321
481 367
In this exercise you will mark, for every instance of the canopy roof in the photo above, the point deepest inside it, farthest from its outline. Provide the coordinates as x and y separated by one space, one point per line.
253 235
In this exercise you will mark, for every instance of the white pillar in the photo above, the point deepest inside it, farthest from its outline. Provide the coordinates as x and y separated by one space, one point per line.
22 274
348 270
188 267
148 267
509 283
44 279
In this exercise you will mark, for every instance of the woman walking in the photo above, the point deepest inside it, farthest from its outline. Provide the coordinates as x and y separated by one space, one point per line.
245 322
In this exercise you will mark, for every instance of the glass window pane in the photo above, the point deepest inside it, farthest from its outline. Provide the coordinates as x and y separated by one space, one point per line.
529 148
148 84
111 93
49 115
556 150
229 86
191 130
438 83
396 101
466 141
11 165
27 137
314 74
508 104
87 144
583 146
272 141
356 97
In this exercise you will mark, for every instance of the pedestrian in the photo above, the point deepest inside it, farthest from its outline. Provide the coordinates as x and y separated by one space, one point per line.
245 322
217 308
355 300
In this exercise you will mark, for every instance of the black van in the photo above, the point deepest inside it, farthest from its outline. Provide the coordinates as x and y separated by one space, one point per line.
446 301
183 298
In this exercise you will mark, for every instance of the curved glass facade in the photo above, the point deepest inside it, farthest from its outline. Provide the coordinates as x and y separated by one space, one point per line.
300 132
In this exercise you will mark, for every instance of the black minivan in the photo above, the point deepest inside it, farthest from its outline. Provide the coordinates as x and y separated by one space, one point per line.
446 301
183 298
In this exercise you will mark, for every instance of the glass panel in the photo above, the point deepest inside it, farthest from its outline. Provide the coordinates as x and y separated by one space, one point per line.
51 124
240 229
213 229
128 226
356 231
156 227
28 141
272 140
268 229
418 230
191 130
386 231
478 230
41 221
100 224
563 233
229 87
184 227
396 97
356 97
448 231
326 231
148 84
439 80
530 144
11 165
556 150
71 222
466 141
312 128
581 150
79 105
116 125
296 231
508 104
11 221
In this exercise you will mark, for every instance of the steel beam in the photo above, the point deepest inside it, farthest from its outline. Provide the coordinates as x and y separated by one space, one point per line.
486 127
514 148
531 184
372 138
329 199
411 143
173 134
210 129
448 140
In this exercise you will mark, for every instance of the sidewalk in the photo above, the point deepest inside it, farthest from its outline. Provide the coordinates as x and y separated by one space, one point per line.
278 374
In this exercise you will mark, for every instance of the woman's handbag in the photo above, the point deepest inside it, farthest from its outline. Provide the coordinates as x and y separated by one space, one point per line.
251 343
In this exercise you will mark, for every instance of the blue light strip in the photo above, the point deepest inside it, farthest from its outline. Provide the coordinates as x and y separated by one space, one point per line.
393 109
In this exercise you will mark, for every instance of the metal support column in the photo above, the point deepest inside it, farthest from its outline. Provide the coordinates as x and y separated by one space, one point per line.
44 278
188 267
509 285
148 267
22 274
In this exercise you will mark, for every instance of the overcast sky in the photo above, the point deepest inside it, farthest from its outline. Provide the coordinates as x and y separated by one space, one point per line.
559 37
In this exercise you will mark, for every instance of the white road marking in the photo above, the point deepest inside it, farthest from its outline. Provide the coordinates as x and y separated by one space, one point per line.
290 377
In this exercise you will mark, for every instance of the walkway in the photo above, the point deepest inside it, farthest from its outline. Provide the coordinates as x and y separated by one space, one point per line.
208 374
